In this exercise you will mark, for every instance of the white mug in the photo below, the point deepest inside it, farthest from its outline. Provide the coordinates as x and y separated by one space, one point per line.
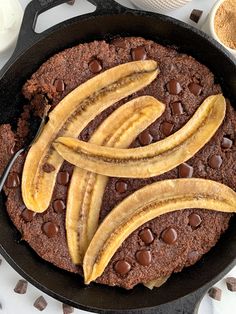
160 5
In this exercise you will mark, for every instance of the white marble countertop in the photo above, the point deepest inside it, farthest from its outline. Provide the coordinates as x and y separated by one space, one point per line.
23 304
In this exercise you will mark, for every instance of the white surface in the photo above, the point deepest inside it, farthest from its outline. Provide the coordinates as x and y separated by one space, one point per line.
22 304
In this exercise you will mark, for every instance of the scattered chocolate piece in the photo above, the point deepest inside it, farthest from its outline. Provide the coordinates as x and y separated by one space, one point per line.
145 138
71 2
40 303
215 161
122 267
139 53
185 171
144 257
196 15
59 84
121 187
174 87
226 143
119 42
146 236
231 283
95 66
27 215
59 206
195 89
21 287
67 309
48 168
177 108
13 180
215 293
194 220
169 236
166 128
50 229
63 177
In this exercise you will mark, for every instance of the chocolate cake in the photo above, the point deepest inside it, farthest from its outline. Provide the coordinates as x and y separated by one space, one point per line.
165 244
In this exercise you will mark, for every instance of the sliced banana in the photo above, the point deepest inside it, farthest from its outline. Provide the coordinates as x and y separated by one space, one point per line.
70 117
156 283
86 188
146 204
151 160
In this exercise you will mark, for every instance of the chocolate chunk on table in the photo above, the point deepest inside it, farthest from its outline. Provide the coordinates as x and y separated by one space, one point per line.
40 303
71 2
215 293
21 287
67 309
196 15
231 283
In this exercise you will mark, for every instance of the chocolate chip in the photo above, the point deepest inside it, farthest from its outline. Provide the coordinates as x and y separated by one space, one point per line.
215 161
121 187
59 84
59 206
13 180
145 138
119 42
143 257
169 236
71 2
50 229
185 171
146 236
195 89
174 87
177 108
48 168
139 53
40 303
231 283
95 66
67 309
194 220
27 215
196 15
63 177
226 143
215 293
122 267
21 287
166 128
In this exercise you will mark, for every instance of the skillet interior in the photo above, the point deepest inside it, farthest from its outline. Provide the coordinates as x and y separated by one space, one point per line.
63 285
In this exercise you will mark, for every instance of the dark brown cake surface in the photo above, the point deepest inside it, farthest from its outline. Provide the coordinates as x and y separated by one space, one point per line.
165 244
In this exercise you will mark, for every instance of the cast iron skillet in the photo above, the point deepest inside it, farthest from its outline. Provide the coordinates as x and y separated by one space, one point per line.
182 291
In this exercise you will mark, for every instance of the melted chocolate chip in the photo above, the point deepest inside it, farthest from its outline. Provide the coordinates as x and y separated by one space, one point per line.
177 108
59 84
215 161
67 309
27 215
139 53
169 236
59 206
185 171
13 180
21 287
48 168
194 220
145 138
63 177
146 236
226 143
40 303
231 283
95 66
122 267
174 87
195 89
50 229
166 128
215 293
121 187
119 42
144 257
